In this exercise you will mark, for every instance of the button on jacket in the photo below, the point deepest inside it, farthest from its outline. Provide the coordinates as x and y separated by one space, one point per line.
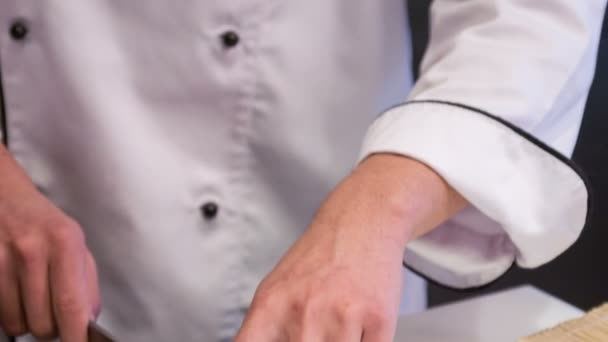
193 140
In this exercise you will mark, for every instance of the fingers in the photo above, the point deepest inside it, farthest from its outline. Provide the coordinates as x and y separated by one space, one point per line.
12 316
379 327
343 326
69 290
378 336
315 320
332 329
263 329
48 283
34 285
349 332
285 318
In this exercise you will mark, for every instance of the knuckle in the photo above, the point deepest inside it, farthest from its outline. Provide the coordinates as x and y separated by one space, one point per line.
377 316
67 233
29 250
349 311
297 308
312 305
69 304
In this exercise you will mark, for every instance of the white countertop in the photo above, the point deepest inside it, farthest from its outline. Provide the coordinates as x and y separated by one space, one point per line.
501 317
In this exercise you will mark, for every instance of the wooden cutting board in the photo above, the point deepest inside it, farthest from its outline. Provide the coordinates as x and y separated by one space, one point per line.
593 327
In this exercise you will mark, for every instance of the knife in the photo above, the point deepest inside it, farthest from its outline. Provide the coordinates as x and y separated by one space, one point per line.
97 334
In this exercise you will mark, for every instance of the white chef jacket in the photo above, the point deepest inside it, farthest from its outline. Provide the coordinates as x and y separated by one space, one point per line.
133 115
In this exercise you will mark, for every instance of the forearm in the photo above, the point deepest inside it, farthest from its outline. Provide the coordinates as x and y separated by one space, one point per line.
347 267
393 198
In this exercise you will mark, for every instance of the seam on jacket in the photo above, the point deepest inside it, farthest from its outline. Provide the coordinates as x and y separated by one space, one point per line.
3 119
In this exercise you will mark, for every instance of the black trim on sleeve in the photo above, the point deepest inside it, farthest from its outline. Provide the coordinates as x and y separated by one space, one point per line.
526 136
458 289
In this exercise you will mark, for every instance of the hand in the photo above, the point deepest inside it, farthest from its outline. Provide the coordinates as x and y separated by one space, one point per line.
326 290
48 278
341 281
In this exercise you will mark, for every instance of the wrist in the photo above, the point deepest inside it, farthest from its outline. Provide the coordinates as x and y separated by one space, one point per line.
405 195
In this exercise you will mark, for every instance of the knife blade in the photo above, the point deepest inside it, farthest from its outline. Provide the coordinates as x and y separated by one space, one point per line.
97 334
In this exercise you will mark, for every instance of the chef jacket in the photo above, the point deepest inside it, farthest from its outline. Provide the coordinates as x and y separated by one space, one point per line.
193 140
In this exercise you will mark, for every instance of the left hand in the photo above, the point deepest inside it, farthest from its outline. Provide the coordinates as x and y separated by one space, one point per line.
342 280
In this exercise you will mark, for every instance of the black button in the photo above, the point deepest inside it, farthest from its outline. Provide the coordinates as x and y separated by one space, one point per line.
230 39
19 30
210 210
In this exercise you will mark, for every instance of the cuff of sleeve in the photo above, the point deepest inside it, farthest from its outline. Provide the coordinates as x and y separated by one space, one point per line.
528 202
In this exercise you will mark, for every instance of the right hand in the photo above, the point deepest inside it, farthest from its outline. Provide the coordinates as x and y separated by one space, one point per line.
48 278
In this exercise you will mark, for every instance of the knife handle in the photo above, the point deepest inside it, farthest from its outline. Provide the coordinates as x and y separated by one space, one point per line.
5 338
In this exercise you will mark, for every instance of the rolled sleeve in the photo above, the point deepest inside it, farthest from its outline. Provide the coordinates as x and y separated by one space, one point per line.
496 112
528 202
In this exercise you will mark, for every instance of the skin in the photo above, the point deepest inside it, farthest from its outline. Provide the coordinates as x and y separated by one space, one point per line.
48 278
342 280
